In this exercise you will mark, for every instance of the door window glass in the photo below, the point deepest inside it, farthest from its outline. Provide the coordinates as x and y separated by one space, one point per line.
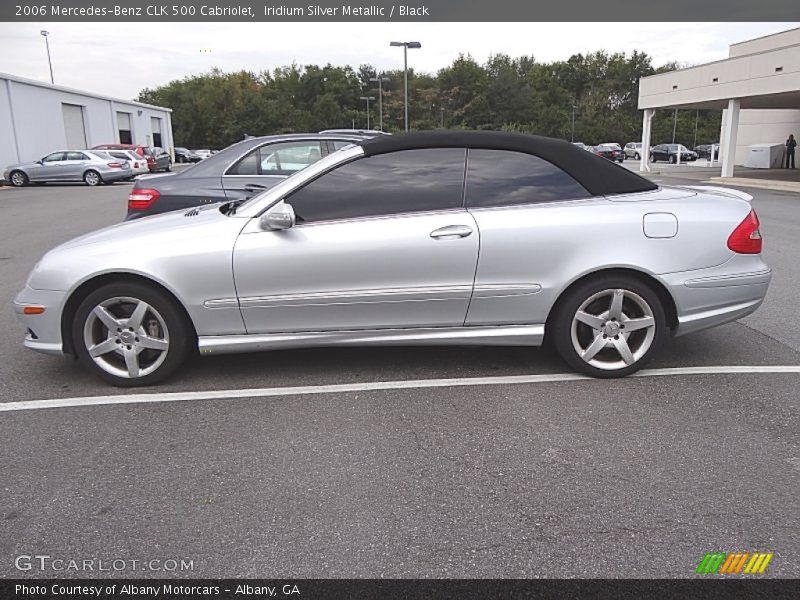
399 182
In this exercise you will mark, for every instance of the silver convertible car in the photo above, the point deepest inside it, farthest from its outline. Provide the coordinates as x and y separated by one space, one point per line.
426 238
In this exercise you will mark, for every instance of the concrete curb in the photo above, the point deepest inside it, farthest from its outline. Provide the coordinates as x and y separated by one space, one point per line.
778 186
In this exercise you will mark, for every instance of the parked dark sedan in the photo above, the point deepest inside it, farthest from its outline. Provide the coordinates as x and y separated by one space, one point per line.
704 150
669 153
184 155
610 151
238 172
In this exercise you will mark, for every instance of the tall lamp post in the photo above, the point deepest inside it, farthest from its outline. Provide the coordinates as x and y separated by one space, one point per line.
367 98
406 46
44 34
380 81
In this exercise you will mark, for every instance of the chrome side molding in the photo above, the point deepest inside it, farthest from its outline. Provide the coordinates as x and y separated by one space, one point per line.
507 335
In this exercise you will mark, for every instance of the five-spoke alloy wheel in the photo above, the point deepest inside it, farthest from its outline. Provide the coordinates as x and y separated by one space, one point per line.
130 334
609 328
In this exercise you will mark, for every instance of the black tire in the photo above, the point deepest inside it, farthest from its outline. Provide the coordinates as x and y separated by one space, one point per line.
673 160
637 156
562 326
653 158
92 178
170 323
18 178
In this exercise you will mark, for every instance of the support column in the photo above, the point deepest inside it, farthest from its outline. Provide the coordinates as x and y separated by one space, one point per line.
644 155
728 149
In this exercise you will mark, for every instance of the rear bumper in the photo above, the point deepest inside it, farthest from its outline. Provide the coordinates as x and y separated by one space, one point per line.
43 330
711 297
117 175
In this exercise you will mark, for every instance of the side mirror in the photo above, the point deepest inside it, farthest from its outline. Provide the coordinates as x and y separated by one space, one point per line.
280 216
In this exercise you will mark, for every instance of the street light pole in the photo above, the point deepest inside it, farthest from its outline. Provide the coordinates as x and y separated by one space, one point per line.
406 46
367 98
44 34
380 81
572 135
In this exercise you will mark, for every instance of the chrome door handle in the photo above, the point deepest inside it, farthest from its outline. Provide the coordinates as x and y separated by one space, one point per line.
451 231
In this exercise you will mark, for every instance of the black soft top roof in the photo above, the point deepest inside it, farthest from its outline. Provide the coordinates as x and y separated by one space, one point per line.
598 175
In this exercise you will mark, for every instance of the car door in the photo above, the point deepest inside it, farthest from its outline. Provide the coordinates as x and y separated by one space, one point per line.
73 165
380 242
267 165
49 169
515 199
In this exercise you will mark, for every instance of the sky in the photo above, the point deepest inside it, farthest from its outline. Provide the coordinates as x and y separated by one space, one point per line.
120 59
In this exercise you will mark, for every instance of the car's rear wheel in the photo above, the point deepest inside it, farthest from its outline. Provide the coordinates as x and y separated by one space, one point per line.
130 334
92 178
609 327
18 178
673 159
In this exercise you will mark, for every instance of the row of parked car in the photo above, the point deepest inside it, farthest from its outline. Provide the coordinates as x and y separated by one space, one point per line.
104 163
661 152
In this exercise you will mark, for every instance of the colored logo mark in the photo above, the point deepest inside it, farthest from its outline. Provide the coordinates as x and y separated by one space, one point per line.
726 563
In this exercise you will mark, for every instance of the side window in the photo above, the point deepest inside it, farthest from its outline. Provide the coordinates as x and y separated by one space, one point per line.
76 156
339 144
54 157
503 178
289 157
399 182
246 166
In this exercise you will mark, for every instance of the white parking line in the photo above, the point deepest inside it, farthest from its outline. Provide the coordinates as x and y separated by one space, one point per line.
371 386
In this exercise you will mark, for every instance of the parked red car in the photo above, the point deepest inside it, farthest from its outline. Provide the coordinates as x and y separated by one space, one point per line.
156 161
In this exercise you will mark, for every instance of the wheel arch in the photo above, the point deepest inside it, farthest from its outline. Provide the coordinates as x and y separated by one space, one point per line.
667 301
90 285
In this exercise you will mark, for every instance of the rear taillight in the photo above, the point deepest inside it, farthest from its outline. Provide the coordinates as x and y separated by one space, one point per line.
142 199
746 238
115 165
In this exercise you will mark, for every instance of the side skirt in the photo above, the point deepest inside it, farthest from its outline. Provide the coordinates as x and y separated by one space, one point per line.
508 335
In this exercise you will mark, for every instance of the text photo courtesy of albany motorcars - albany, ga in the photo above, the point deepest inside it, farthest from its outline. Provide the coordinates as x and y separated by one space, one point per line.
357 306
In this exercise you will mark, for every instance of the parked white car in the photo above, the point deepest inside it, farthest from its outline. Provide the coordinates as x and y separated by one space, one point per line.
138 164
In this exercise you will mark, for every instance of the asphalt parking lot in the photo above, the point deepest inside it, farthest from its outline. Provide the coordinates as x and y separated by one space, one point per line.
538 476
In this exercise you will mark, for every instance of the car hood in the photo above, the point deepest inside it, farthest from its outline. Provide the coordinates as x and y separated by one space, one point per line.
142 246
177 224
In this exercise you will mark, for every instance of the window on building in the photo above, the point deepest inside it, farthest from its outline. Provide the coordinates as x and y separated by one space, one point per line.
124 127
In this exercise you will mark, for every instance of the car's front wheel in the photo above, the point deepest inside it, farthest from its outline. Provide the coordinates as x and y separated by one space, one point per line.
637 156
130 334
609 327
18 178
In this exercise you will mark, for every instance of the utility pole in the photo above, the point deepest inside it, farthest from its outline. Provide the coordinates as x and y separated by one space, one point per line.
572 136
45 34
406 46
367 98
380 81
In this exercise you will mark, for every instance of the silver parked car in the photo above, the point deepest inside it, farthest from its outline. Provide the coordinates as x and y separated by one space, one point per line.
633 150
90 166
428 238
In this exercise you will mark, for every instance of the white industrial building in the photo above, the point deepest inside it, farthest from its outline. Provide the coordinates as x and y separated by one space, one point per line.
37 118
758 86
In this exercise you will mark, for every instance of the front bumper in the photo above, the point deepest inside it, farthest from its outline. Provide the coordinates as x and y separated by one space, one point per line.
710 297
43 330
